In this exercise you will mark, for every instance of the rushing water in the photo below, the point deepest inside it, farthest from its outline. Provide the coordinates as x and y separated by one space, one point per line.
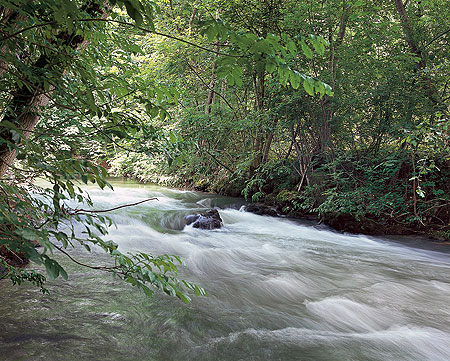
277 290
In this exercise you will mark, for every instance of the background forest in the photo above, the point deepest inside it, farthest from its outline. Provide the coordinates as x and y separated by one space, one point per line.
373 157
331 109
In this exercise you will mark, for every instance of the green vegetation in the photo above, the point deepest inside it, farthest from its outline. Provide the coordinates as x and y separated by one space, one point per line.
373 157
336 109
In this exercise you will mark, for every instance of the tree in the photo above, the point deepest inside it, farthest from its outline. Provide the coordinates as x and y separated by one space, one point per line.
57 75
60 79
388 65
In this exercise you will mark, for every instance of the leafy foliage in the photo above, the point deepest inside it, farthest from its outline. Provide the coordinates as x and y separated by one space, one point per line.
375 145
69 94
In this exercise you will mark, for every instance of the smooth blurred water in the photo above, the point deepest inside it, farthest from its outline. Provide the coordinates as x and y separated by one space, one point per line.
277 290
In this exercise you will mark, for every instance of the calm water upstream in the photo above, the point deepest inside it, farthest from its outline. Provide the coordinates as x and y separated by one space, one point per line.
277 290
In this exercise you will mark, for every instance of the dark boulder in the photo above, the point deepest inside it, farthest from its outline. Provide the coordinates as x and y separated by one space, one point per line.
206 220
191 218
262 209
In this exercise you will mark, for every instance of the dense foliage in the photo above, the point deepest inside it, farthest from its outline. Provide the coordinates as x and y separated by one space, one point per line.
66 97
373 157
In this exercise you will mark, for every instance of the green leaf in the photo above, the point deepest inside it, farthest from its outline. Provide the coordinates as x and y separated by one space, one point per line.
291 47
28 234
237 75
63 273
318 44
283 73
328 89
295 79
306 50
211 33
130 9
52 268
270 66
308 85
138 19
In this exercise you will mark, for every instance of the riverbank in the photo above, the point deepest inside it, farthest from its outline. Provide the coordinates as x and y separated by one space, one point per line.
286 203
374 195
274 204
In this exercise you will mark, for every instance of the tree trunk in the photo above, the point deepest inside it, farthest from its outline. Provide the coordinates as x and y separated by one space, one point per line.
30 107
415 48
325 145
259 91
267 146
191 20
8 16
25 111
409 32
212 83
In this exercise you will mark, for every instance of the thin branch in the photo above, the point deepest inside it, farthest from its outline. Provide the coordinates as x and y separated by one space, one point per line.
6 198
43 223
215 159
13 35
161 34
211 88
76 211
436 206
17 169
39 45
437 37
104 268
126 24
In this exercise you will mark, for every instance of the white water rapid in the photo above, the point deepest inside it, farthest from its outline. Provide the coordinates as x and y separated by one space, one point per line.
277 290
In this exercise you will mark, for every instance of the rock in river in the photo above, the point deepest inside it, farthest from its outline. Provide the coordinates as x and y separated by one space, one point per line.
206 220
261 209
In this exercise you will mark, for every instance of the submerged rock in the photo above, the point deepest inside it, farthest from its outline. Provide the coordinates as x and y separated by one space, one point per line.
191 218
262 209
206 220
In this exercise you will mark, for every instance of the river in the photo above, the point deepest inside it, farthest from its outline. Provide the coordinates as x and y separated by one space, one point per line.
278 289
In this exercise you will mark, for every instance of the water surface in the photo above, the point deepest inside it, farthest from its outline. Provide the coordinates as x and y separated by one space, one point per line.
277 290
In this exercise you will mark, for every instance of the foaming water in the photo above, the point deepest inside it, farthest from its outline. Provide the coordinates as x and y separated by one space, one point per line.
277 290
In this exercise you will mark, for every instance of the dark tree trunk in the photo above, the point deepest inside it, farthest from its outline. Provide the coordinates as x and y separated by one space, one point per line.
325 144
416 49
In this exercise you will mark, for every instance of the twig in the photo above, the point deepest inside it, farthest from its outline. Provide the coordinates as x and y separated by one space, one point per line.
212 88
26 29
436 206
126 24
214 158
6 198
436 37
104 268
76 211
161 34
